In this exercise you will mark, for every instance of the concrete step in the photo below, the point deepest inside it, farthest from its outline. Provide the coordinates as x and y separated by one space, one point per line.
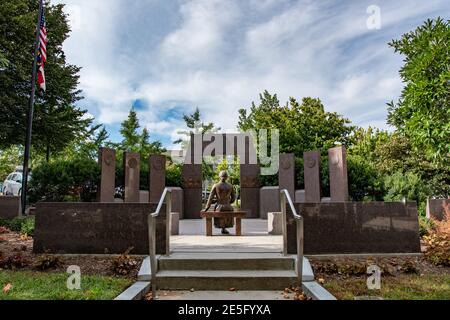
262 295
225 280
226 261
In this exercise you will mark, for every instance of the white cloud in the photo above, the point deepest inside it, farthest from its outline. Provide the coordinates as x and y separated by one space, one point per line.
219 55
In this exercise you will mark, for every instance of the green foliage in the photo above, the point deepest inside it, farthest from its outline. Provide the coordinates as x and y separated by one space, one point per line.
57 122
363 179
232 167
425 226
88 145
422 112
195 125
129 130
3 61
27 227
65 180
408 185
23 225
9 159
303 127
173 175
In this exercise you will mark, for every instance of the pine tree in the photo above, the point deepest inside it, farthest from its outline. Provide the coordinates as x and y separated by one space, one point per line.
129 130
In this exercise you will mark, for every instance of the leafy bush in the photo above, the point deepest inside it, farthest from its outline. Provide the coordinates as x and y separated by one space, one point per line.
22 225
363 179
65 180
27 226
409 185
425 226
173 175
438 241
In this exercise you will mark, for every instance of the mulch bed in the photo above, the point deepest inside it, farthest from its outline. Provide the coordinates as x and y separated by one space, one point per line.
13 244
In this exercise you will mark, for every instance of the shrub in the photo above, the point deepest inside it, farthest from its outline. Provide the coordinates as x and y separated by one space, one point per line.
22 225
173 175
27 227
63 180
438 241
409 185
124 264
363 179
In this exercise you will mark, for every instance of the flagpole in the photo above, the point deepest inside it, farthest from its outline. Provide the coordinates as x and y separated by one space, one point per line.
26 156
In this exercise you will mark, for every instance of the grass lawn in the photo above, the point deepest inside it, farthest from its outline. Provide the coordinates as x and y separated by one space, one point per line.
52 286
402 287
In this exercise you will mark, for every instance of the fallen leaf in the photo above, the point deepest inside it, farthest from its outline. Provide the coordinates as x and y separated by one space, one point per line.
7 288
321 280
232 289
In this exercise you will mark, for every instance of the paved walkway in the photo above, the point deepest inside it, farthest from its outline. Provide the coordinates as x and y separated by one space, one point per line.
255 238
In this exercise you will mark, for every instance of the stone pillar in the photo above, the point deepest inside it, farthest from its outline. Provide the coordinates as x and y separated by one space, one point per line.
132 169
269 201
157 177
338 174
107 162
177 201
192 187
312 176
286 175
300 196
250 190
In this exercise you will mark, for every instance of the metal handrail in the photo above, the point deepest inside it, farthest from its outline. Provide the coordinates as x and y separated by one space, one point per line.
167 198
285 199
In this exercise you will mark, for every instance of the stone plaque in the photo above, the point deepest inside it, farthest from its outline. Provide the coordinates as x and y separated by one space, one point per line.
192 176
357 228
96 228
269 201
9 207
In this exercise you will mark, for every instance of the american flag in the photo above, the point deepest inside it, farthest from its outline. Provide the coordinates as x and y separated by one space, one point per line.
42 50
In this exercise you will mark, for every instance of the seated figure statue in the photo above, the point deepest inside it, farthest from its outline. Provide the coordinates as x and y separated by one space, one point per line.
224 195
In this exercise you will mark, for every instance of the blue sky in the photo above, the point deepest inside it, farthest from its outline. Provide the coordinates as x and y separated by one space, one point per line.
169 57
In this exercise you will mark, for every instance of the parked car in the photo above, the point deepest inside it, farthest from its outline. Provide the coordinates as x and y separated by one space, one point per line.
12 186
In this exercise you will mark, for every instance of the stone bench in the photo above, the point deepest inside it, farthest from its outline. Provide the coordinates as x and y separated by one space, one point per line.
237 215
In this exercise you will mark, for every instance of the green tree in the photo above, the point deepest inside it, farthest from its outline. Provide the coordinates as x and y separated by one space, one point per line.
57 120
195 125
135 141
422 113
129 131
88 145
303 127
9 159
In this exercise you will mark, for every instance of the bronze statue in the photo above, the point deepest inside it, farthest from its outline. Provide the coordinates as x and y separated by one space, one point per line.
224 195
